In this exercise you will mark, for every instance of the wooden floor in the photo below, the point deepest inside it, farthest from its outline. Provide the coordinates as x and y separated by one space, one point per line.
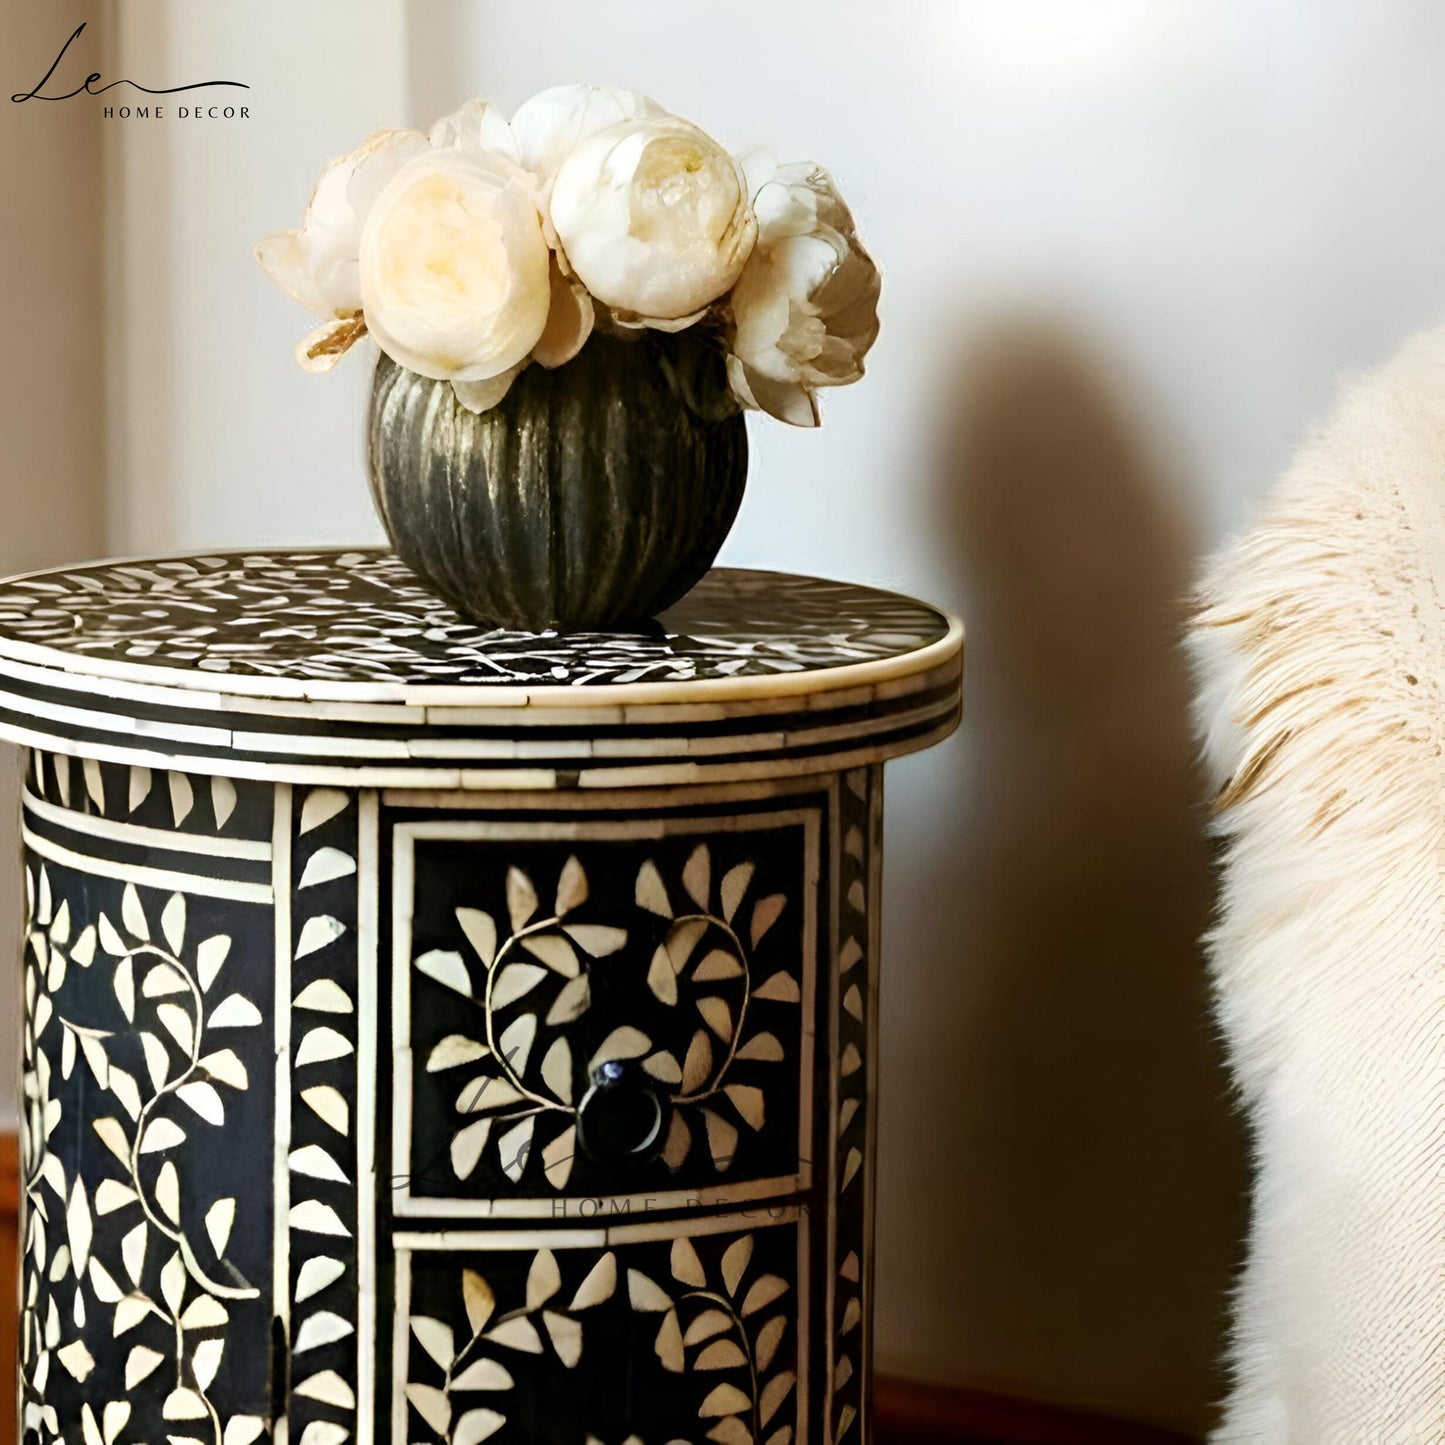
905 1413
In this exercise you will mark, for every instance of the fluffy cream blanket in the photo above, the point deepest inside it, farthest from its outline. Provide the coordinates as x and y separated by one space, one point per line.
1318 651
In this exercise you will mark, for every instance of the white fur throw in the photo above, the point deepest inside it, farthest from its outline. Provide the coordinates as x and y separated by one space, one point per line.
1318 651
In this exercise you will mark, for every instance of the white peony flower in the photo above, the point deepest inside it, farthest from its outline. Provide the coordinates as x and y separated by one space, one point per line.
318 265
653 216
479 124
806 305
485 245
454 268
554 122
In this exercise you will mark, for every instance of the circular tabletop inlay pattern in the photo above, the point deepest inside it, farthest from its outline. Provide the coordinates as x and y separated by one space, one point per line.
363 617
340 666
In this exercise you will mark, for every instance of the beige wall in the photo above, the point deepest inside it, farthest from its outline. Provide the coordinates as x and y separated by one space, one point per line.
52 494
217 438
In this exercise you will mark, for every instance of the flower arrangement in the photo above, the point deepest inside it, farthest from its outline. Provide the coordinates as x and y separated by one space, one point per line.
486 246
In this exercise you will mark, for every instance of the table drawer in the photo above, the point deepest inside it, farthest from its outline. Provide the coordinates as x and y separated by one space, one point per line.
690 1330
602 1013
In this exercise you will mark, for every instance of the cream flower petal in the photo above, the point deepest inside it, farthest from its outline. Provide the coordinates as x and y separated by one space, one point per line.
372 165
480 396
786 401
281 257
792 404
477 123
784 210
549 125
632 321
570 318
759 164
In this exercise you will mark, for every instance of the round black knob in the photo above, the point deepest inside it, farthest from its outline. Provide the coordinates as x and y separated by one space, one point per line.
620 1117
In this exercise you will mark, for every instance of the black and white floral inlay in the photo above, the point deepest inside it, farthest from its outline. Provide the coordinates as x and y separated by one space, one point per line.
633 1016
363 617
608 1182
324 1201
675 1341
860 820
133 1019
185 804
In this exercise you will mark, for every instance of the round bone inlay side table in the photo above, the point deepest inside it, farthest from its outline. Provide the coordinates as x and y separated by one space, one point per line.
433 1034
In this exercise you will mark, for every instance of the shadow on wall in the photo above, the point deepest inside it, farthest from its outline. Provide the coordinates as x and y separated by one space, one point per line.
1083 1151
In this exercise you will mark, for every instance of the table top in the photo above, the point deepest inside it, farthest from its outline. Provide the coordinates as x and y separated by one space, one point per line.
283 663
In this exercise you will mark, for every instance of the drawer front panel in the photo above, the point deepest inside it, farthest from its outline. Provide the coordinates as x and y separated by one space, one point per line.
602 1011
644 1333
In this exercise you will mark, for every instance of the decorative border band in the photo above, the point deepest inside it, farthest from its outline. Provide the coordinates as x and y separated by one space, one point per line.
479 747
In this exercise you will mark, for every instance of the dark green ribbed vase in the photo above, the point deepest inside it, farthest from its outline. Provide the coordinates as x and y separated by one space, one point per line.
591 498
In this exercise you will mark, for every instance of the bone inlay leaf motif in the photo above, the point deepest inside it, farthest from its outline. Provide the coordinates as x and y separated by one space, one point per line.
711 1324
136 1008
363 616
533 1049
